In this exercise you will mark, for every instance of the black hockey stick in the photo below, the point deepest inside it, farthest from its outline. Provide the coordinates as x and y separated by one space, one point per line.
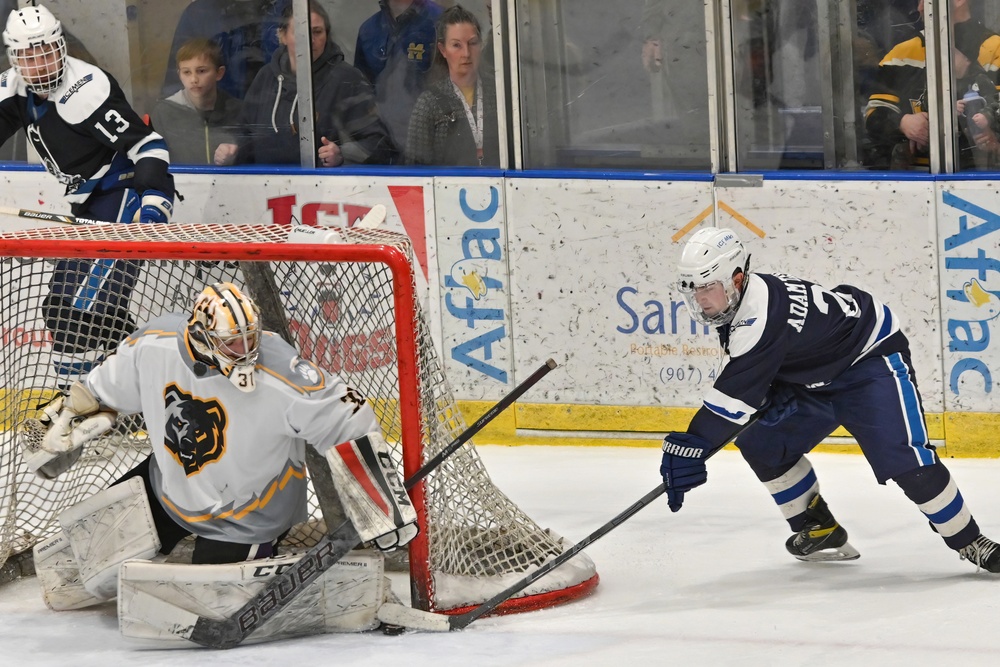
421 620
279 591
460 621
50 217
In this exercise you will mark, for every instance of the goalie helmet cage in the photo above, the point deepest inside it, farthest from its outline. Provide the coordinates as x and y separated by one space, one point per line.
352 308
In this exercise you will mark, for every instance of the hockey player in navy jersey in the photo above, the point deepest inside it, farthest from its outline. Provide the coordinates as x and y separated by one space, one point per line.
114 168
229 409
809 359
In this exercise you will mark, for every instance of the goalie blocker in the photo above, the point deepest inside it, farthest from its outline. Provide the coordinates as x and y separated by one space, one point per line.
372 492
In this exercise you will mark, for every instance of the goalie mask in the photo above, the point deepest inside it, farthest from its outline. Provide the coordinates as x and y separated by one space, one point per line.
224 329
36 48
705 275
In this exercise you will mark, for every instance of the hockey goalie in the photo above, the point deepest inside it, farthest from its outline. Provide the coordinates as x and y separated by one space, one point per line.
229 410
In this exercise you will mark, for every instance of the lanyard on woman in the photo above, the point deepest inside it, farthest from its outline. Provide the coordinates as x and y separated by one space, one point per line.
476 123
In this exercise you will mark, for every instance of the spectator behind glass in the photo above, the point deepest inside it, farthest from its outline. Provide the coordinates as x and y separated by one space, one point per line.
394 50
348 129
896 122
200 116
454 122
977 109
245 30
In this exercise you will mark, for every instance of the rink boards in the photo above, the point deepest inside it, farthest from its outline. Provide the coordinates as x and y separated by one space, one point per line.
516 270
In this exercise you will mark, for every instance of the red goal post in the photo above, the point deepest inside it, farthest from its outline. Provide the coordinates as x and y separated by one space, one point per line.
352 307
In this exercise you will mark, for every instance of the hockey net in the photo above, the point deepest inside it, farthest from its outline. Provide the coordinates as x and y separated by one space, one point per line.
351 307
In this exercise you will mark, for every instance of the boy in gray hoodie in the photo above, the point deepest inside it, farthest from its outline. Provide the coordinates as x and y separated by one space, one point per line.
198 118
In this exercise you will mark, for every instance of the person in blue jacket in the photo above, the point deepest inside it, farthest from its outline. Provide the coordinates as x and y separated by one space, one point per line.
394 50
245 30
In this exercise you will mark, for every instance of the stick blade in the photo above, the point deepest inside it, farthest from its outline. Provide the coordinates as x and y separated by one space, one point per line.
414 619
373 218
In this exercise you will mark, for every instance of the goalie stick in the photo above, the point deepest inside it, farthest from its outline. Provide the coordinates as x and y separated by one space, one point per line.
407 617
279 591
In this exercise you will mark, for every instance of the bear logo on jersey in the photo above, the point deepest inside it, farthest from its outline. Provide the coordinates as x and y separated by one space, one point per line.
195 429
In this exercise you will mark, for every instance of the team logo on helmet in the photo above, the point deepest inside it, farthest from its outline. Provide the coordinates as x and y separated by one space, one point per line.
195 429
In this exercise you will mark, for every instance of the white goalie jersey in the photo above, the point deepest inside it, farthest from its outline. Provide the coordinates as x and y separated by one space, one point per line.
229 465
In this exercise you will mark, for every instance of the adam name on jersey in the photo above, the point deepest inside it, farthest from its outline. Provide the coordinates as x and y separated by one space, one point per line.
798 296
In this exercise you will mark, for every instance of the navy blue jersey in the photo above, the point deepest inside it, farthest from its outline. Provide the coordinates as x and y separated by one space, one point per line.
86 133
794 331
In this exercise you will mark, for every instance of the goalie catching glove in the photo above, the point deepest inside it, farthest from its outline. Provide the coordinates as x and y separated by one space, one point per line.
53 443
372 492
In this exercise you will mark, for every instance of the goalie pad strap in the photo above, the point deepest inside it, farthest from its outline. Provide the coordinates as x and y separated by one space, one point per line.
107 529
371 490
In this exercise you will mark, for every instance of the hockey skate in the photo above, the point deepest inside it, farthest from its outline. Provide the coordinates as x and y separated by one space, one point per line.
984 552
822 538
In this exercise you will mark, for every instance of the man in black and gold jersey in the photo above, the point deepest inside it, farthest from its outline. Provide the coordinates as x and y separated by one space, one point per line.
896 115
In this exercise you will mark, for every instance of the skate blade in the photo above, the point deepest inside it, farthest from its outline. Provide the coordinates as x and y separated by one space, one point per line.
844 552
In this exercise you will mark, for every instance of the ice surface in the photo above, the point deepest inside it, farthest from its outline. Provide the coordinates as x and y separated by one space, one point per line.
710 585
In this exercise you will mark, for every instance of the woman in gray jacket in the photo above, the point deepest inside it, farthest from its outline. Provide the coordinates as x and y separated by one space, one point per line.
454 122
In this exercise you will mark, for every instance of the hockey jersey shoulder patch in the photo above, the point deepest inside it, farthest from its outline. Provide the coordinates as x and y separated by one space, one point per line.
307 371
281 361
83 91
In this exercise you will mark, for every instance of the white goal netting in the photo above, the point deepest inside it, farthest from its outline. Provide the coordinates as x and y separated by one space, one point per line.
347 311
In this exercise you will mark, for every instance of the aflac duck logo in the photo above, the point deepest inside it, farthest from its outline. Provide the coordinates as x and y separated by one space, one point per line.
471 274
980 304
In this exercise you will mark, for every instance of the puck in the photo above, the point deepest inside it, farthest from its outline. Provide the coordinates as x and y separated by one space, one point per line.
392 630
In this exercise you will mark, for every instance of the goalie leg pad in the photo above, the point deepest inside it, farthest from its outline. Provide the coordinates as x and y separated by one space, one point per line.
107 529
59 574
159 603
372 491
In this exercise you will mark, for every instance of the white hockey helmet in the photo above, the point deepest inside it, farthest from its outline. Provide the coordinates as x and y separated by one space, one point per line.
36 48
709 261
225 329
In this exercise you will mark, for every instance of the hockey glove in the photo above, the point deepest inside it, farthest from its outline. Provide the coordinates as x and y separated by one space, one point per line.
683 466
50 445
781 404
156 207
